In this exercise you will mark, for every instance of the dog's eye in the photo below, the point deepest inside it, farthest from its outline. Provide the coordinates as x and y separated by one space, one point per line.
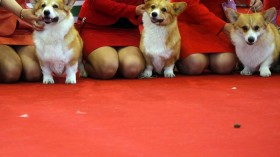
163 10
256 28
55 6
153 7
43 5
245 28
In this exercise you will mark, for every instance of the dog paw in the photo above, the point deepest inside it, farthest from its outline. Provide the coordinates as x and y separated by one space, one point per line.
70 81
146 74
83 73
246 72
48 80
265 73
169 74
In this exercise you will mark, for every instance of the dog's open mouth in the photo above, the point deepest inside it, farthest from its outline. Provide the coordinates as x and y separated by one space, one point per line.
49 20
249 43
155 20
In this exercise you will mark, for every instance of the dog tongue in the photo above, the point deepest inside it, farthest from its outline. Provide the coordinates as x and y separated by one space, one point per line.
47 20
154 20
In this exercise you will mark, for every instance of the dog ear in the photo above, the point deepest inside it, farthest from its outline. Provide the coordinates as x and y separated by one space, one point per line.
270 14
232 15
179 7
69 4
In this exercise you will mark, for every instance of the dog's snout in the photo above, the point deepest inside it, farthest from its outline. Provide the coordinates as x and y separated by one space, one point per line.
251 39
154 14
47 12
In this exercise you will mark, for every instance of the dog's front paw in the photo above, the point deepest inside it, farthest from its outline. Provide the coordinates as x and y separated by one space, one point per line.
146 74
70 80
246 72
169 74
48 80
265 72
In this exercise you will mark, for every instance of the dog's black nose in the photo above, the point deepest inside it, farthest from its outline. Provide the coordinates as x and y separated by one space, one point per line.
251 39
154 14
47 12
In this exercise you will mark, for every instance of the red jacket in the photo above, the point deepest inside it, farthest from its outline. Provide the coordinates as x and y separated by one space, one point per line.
107 12
271 3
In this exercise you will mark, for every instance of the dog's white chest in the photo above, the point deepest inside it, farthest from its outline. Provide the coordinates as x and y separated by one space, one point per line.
52 50
154 40
253 55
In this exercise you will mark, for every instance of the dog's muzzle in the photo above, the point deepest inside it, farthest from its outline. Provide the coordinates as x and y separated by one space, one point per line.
49 20
155 19
251 41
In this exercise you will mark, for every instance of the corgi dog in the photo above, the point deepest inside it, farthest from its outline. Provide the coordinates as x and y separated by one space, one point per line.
160 38
256 40
59 45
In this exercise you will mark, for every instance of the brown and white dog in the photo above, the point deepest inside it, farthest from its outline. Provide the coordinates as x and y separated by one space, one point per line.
256 40
160 39
59 45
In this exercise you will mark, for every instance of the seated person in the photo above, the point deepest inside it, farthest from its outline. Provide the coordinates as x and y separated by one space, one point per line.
17 53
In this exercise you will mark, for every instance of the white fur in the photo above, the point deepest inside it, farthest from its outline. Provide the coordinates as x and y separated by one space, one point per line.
154 42
257 56
53 51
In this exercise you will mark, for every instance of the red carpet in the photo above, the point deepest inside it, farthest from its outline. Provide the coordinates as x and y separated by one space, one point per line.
188 116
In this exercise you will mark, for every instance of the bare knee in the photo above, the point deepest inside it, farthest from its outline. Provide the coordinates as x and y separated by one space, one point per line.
132 70
193 65
223 63
32 74
131 62
102 63
107 71
10 73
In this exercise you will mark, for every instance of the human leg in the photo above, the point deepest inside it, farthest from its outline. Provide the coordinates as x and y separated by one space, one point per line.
102 63
131 62
223 63
10 65
194 64
31 69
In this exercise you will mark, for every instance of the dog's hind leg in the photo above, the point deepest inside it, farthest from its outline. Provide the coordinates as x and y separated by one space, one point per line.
82 70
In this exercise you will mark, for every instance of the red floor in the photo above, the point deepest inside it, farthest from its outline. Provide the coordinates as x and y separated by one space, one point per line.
188 116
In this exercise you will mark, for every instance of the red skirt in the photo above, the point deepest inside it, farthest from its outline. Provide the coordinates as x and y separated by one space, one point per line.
99 36
197 39
19 37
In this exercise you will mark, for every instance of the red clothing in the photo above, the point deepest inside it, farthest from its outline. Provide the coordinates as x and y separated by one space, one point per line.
101 15
273 3
14 31
201 27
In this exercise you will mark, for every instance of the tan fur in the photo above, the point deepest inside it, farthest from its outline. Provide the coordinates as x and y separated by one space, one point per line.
165 35
254 36
59 45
